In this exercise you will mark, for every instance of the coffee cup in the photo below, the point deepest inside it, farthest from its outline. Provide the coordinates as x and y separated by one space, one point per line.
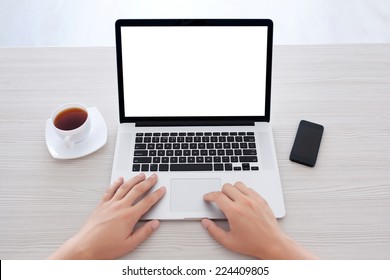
71 122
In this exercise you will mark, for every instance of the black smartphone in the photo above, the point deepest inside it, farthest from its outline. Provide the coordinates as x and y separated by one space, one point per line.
307 143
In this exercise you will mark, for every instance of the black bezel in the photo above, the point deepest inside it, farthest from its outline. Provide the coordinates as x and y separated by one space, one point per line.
212 120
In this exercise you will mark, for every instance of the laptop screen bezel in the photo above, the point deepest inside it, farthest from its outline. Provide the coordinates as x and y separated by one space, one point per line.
194 120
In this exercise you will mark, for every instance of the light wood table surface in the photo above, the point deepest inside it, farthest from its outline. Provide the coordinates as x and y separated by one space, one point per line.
340 209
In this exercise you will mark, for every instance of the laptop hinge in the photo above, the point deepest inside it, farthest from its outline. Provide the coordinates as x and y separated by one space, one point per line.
196 123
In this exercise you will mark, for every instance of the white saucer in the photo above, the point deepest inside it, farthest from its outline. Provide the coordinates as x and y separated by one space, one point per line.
96 139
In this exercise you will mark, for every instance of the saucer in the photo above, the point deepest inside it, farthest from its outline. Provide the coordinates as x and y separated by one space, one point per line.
95 140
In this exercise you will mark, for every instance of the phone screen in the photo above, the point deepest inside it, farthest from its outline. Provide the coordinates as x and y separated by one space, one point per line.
307 143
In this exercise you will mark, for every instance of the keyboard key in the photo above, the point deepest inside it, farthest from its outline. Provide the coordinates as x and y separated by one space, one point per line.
208 159
163 167
152 146
229 152
161 153
138 139
254 168
156 160
191 159
136 167
252 145
156 134
140 146
228 166
249 139
234 159
245 166
221 152
142 160
244 145
182 159
241 133
182 134
153 167
225 159
169 153
165 134
145 167
237 152
140 153
158 146
218 167
148 134
251 152
186 153
139 134
173 159
156 139
147 139
237 168
199 159
152 153
250 133
248 158
217 159
165 159
191 167
173 134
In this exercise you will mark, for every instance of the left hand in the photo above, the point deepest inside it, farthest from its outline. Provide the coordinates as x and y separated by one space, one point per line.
109 231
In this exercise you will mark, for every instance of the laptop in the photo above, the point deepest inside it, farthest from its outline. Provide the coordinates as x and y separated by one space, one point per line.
194 107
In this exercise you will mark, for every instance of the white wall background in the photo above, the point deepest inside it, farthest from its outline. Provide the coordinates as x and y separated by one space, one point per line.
91 22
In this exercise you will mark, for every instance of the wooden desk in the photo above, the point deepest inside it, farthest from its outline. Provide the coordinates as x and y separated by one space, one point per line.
339 210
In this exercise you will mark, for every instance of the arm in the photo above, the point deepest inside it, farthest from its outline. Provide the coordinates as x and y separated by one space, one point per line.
109 231
254 230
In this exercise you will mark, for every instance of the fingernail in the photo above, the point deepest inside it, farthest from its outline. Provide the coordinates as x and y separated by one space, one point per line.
205 223
153 176
141 175
155 224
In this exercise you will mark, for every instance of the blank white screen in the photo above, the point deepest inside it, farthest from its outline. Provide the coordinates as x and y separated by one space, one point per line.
194 71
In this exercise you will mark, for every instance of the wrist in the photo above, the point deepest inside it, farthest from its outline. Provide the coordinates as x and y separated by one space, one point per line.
284 248
71 250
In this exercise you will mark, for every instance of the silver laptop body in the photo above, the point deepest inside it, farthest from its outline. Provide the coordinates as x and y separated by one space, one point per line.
194 106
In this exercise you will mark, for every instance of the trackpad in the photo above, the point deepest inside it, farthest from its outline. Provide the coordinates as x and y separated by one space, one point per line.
187 194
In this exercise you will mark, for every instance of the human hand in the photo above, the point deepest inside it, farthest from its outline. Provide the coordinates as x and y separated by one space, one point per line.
254 230
108 233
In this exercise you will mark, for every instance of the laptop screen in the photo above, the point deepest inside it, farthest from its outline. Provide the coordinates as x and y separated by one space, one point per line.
194 71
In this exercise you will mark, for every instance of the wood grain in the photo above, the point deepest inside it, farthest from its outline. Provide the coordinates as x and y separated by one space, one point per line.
339 210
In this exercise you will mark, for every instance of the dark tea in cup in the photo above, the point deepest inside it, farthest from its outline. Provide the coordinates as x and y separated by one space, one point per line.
70 118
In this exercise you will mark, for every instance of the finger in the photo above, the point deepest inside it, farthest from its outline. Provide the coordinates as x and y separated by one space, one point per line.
142 234
242 188
108 195
128 185
147 202
140 189
231 192
216 232
223 202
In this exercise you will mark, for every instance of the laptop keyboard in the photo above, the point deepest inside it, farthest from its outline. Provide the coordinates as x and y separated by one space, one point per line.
200 151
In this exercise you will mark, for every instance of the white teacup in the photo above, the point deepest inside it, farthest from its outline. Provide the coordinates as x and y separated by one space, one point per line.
71 122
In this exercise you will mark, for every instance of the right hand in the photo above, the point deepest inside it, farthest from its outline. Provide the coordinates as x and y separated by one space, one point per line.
254 230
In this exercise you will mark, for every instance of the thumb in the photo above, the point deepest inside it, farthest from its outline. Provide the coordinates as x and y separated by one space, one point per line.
216 232
141 234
